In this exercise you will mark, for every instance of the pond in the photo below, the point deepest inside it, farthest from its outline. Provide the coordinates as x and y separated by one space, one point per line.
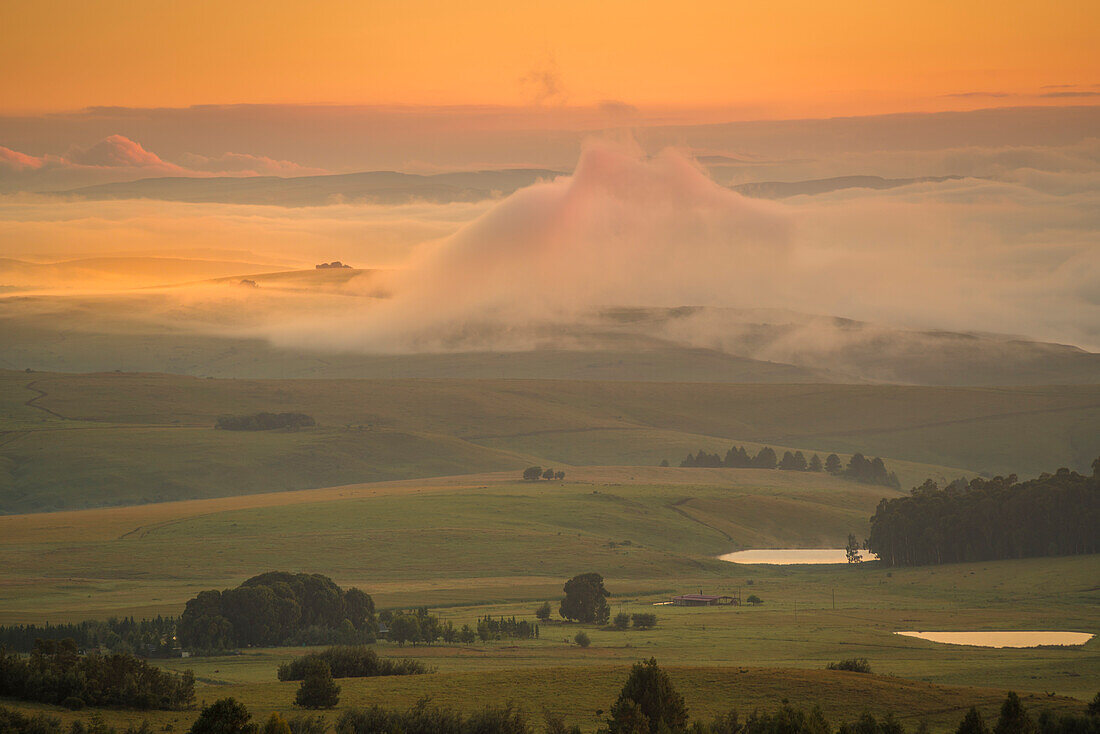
789 556
1003 639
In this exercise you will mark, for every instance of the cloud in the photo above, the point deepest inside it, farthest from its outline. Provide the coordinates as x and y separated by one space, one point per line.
1013 256
543 83
117 151
118 158
243 163
13 160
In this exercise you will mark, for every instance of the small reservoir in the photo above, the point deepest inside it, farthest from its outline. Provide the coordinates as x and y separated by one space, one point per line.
791 556
1003 639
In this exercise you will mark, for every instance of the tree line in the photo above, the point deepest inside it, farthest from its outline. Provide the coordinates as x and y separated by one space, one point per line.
490 628
264 422
278 608
534 473
151 638
56 673
358 661
648 703
988 519
859 468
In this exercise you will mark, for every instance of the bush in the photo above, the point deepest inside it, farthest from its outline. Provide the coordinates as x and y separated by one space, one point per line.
351 662
224 716
582 639
621 621
318 690
644 621
543 612
854 665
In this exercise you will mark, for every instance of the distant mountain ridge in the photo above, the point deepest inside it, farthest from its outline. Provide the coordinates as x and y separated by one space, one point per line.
392 187
377 187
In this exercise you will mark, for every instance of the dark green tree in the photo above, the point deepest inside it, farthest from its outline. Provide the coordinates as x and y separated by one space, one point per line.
1014 719
548 474
585 599
405 628
648 702
832 464
815 463
543 612
224 716
318 690
532 473
972 723
765 459
582 639
852 549
621 621
754 600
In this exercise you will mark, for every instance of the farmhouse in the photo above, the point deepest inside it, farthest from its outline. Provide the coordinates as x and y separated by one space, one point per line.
702 600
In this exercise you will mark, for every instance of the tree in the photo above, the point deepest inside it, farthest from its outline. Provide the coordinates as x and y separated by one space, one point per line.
275 724
800 461
754 600
405 628
664 462
559 475
318 690
647 703
765 459
815 463
622 621
532 473
582 639
852 549
644 621
832 464
543 612
585 599
1013 718
224 716
548 474
788 463
972 723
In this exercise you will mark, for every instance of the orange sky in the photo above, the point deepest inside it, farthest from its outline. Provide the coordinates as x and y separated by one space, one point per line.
780 57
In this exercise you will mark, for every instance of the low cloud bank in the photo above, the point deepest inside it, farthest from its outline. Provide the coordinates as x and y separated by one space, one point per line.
627 230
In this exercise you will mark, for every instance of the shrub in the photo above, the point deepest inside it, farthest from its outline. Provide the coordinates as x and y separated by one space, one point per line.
644 621
351 662
318 690
621 621
224 716
582 639
854 665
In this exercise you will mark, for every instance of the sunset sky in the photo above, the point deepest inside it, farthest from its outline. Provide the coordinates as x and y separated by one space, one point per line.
785 58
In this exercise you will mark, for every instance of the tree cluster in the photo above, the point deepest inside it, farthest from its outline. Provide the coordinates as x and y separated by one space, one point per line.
854 665
56 673
264 422
534 473
642 621
585 599
418 626
335 264
358 661
1052 515
278 608
489 628
859 468
148 637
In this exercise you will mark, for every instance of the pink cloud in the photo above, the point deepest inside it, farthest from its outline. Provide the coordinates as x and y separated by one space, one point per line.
14 160
118 151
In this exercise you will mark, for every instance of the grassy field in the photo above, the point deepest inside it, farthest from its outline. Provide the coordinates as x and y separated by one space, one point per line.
91 440
466 546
